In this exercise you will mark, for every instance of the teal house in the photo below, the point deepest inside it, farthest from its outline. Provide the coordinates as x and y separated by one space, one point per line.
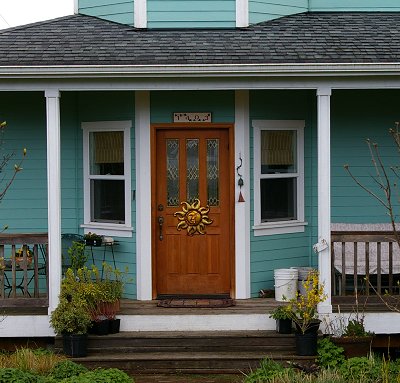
205 140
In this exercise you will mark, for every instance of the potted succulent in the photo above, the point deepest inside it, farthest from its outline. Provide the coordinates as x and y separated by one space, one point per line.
283 319
93 239
71 319
303 311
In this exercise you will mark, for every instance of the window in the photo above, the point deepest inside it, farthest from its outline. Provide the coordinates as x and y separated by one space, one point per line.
278 176
107 170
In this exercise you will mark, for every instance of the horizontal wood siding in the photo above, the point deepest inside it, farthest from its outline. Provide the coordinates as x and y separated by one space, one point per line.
24 207
354 5
371 115
191 13
106 106
285 250
263 10
120 11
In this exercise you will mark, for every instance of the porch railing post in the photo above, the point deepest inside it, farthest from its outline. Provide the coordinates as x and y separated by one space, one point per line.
54 195
324 194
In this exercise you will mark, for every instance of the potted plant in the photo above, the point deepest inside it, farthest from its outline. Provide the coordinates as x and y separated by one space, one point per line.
93 239
77 255
349 332
283 319
71 319
19 257
303 311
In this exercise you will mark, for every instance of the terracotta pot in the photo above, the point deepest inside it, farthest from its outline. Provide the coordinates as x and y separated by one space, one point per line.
354 346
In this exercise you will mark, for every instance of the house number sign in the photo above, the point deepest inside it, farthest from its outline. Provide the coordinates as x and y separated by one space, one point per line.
192 117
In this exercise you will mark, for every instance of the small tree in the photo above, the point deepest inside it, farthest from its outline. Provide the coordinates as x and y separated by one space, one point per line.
6 179
386 179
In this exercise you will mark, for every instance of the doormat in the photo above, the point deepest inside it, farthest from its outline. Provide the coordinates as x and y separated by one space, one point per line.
196 303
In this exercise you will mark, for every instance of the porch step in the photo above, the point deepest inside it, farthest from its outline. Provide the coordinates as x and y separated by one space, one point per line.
188 352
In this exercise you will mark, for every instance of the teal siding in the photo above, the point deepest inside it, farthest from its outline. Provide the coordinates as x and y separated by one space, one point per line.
106 106
354 5
371 115
24 208
263 10
191 13
120 11
219 103
285 250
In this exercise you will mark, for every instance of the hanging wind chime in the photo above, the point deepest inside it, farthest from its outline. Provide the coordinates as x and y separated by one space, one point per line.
240 181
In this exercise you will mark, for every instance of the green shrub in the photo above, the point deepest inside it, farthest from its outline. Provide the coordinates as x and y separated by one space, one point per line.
361 369
329 355
14 375
268 370
66 369
110 375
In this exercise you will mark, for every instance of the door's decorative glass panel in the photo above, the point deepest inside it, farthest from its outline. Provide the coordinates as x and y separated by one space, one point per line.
213 172
173 172
192 170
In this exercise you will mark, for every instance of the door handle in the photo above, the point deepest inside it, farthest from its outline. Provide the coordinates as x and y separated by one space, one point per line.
160 225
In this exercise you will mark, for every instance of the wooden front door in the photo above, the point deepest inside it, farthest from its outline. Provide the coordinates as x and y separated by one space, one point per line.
192 211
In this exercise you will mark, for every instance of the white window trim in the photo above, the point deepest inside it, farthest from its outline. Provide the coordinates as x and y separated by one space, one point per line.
278 227
101 228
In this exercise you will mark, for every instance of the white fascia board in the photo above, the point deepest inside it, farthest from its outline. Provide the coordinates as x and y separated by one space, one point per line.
220 70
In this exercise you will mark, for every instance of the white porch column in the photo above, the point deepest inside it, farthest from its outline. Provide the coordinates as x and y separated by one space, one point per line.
242 209
53 194
140 14
324 194
143 196
242 13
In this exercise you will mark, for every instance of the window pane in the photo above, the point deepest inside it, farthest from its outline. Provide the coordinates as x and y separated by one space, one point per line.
108 201
213 172
192 170
278 199
278 151
173 172
106 153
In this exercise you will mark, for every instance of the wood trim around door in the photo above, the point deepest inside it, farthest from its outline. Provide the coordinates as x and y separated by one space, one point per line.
153 134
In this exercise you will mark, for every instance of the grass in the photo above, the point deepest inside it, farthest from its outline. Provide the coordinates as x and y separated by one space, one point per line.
36 361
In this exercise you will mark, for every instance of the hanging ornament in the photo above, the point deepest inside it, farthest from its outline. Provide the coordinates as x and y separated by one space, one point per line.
240 181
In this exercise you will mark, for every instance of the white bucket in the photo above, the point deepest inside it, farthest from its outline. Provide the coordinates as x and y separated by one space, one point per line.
285 284
303 274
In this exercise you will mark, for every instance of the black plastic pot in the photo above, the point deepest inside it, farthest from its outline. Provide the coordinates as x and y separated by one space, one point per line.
75 345
284 326
306 344
114 325
100 327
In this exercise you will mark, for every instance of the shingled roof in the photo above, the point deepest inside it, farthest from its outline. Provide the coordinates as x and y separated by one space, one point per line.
303 38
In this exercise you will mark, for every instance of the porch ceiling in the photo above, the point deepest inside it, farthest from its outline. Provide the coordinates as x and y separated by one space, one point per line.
314 38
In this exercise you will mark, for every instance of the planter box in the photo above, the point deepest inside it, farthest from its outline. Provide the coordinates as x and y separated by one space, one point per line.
354 346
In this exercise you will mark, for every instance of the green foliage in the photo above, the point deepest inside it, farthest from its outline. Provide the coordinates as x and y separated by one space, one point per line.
111 375
66 369
14 375
77 255
281 312
268 370
329 355
361 368
355 328
70 317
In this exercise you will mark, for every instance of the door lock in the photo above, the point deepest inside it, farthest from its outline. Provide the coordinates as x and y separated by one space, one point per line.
160 225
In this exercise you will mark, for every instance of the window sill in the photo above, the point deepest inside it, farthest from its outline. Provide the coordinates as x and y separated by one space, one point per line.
108 229
283 227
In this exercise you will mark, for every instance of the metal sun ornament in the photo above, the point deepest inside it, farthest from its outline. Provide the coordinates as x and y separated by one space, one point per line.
193 218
